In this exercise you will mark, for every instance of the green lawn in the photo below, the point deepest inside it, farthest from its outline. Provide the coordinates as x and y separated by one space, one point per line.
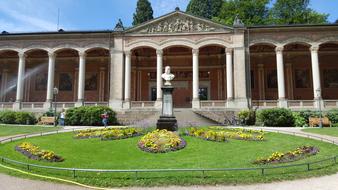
124 154
6 130
333 131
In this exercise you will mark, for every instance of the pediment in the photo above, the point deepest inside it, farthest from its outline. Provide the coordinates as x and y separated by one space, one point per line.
178 22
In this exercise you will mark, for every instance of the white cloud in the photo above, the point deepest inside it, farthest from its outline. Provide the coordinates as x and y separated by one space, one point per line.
28 15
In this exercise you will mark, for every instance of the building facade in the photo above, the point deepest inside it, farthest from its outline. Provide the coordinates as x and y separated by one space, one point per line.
216 66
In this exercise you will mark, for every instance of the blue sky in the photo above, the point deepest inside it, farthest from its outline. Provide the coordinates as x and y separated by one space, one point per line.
41 15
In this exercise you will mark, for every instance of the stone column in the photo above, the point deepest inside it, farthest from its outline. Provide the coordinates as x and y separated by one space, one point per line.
50 81
20 82
240 79
261 81
316 76
127 79
280 77
82 78
159 81
116 77
4 85
195 79
229 70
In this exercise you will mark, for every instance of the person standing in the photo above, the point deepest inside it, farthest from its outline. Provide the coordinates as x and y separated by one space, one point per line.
62 117
105 117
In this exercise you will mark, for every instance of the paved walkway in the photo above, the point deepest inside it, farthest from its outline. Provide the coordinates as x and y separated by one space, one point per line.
319 183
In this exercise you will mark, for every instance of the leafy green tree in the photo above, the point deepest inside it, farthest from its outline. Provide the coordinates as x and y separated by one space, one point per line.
295 12
204 8
144 12
199 8
249 11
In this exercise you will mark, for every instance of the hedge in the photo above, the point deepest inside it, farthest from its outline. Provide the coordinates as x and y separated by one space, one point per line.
276 117
333 116
247 117
89 116
22 118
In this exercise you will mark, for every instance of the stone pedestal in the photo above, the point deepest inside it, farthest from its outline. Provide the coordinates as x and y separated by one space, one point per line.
167 119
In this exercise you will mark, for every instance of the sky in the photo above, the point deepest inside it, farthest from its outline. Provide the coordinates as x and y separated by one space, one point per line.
42 15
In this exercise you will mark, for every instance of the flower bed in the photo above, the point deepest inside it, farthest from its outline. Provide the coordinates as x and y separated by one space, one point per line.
278 157
221 134
161 141
35 153
108 133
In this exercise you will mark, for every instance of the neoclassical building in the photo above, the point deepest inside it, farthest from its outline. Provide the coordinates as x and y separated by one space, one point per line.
216 66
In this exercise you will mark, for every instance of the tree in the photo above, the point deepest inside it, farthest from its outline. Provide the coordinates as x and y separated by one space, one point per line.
295 12
144 12
250 12
336 21
204 8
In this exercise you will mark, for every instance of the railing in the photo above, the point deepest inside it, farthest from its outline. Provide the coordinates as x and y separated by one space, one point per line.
265 103
331 103
32 105
213 104
301 103
308 166
142 104
6 105
96 103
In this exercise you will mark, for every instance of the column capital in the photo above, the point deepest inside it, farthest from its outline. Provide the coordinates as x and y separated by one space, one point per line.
82 54
22 55
279 49
51 54
195 51
229 50
314 48
159 52
127 53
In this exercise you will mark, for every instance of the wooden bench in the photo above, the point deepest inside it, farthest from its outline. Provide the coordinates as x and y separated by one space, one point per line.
47 120
315 121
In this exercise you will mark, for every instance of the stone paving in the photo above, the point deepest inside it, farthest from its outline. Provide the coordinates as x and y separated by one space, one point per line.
319 183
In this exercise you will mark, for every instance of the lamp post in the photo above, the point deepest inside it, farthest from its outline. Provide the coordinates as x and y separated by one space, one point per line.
55 92
320 108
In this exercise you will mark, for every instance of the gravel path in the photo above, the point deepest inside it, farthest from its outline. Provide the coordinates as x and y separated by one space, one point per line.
319 183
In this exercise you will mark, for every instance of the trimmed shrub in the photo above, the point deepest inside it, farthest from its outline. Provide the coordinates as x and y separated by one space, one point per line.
22 118
7 117
276 117
307 114
25 118
247 117
299 120
89 116
333 116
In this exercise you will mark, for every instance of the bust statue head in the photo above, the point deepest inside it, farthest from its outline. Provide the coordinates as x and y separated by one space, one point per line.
167 76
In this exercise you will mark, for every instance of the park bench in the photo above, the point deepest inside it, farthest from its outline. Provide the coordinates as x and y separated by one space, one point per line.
47 120
314 121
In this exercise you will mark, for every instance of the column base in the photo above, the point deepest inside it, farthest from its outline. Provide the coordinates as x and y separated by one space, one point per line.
79 103
168 123
318 103
158 103
282 103
17 105
126 105
47 105
116 104
196 104
238 103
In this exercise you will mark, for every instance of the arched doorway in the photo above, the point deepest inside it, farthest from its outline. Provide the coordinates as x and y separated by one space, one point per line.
8 75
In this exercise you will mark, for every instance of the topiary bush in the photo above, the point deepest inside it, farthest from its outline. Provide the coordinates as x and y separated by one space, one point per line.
25 118
333 116
299 120
89 116
247 117
22 118
276 117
